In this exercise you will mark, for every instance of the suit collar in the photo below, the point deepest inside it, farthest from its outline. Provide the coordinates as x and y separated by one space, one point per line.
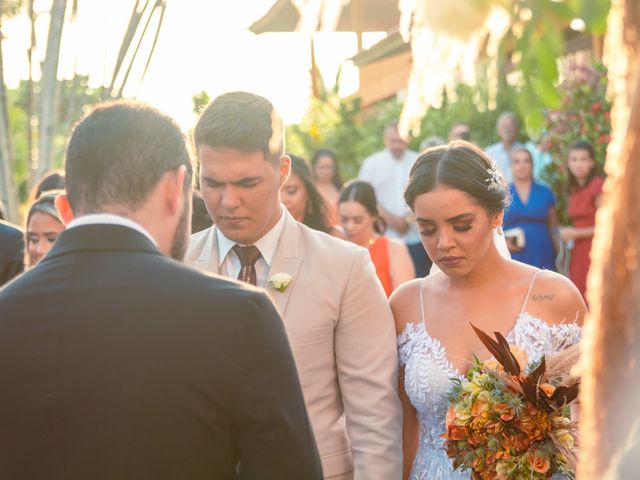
266 245
287 258
101 237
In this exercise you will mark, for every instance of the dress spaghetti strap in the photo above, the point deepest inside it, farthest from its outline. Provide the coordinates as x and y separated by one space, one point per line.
526 298
422 302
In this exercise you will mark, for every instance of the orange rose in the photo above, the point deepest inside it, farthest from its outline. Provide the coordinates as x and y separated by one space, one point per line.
451 416
539 463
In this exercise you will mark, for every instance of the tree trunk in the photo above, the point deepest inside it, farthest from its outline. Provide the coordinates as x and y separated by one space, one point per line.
49 85
31 161
8 192
610 419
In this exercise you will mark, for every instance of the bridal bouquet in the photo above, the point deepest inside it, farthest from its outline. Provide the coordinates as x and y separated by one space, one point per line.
504 423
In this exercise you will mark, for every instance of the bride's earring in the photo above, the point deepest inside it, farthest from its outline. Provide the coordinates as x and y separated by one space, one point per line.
499 230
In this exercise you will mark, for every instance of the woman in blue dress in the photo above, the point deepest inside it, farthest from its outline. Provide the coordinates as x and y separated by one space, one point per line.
531 219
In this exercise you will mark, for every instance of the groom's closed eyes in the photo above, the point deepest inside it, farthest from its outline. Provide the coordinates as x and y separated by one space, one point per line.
245 182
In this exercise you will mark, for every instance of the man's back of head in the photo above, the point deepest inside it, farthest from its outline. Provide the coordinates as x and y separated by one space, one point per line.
117 154
131 160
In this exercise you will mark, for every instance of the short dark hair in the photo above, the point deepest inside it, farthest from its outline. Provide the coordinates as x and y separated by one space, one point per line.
325 152
118 153
586 146
463 166
363 193
315 213
243 121
53 180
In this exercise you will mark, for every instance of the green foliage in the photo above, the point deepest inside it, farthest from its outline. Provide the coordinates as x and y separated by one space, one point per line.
341 125
584 114
464 108
74 95
200 100
538 42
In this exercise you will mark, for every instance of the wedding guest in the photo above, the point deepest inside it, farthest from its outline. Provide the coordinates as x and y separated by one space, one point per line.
431 141
332 305
460 131
11 251
458 197
585 197
302 199
129 364
43 227
363 226
388 171
53 180
328 182
507 127
533 211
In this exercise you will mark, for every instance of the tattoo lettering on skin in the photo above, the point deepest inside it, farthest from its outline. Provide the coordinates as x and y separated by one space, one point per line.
542 297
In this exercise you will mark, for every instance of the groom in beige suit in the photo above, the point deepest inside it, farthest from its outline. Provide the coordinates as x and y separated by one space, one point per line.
335 312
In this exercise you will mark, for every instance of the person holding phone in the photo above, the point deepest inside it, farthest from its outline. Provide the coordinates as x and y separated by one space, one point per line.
530 219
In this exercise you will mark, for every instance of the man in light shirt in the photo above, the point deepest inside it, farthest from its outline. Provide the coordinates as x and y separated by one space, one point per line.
388 172
499 152
333 307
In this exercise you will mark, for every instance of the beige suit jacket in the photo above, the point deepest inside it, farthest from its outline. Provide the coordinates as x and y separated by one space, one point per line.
342 334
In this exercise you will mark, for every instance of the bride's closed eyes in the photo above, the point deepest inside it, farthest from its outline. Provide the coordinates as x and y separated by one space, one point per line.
427 231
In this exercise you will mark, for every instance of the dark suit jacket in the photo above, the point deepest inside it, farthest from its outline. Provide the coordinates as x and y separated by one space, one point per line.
117 362
11 251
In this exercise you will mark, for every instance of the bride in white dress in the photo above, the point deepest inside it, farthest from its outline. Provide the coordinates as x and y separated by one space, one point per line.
458 198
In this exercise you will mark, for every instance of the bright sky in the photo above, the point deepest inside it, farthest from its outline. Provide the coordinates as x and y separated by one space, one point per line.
203 45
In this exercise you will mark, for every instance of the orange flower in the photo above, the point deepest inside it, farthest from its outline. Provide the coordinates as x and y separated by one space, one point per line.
548 389
505 412
539 463
451 416
457 433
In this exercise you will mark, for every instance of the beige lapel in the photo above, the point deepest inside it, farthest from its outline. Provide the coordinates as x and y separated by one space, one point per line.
208 260
287 259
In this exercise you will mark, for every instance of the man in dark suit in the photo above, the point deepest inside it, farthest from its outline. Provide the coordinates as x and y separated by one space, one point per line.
11 251
118 362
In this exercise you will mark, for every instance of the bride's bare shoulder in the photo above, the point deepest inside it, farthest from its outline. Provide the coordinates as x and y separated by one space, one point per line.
405 300
556 299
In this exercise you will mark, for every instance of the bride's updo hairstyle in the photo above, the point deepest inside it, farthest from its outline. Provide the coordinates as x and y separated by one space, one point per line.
463 166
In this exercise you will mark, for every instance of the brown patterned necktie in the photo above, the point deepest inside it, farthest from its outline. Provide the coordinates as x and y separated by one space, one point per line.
248 257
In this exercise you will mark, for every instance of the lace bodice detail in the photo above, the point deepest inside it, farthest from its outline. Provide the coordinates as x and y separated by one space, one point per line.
427 374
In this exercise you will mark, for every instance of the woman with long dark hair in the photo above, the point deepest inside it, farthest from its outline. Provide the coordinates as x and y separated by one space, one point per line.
585 197
358 210
302 199
328 182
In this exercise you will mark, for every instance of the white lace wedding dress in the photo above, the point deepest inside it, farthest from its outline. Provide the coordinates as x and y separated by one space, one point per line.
428 372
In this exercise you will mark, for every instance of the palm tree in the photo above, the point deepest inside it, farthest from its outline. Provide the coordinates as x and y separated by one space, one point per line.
49 85
137 14
8 192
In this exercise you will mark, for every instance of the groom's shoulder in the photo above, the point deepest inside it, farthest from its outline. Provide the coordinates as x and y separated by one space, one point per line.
317 241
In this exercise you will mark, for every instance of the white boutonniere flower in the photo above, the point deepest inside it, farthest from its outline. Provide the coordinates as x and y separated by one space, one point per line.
280 281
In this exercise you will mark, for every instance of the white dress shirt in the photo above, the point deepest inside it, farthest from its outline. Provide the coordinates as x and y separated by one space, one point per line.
230 263
109 219
389 177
